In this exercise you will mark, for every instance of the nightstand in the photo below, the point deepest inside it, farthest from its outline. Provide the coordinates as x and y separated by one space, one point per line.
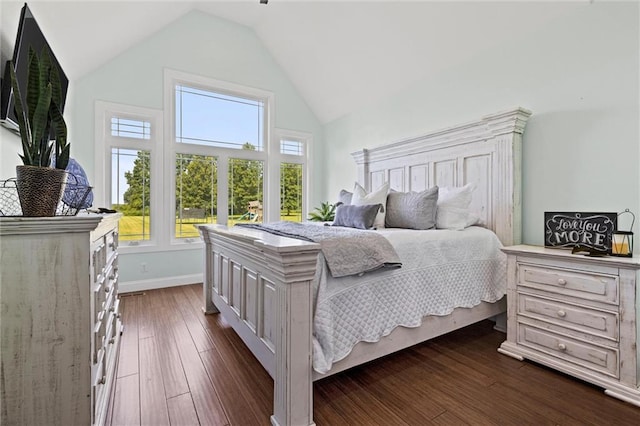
576 314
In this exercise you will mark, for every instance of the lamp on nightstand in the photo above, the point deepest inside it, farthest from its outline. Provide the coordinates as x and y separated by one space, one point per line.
622 241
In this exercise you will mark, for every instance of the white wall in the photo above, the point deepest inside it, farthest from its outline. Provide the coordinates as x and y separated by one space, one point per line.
9 147
200 44
579 75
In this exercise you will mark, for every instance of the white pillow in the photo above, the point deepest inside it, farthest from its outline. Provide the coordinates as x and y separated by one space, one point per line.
453 207
379 196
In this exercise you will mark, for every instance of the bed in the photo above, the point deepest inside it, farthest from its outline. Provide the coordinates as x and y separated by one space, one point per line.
266 285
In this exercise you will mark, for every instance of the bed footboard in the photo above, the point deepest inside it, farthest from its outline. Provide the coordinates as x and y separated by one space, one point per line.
262 285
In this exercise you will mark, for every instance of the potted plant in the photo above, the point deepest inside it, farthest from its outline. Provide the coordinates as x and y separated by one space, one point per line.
325 213
40 181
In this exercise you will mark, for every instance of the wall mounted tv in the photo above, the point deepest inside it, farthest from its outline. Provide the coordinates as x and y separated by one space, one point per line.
29 34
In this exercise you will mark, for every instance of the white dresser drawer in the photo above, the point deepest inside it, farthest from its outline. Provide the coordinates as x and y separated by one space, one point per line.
594 357
111 240
587 320
99 260
587 285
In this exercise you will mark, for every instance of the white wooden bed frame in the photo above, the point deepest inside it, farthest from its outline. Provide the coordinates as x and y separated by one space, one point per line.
262 283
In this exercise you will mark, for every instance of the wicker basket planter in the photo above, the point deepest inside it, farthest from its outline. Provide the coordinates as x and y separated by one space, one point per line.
39 189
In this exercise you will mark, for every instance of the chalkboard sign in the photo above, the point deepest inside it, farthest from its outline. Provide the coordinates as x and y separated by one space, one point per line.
586 230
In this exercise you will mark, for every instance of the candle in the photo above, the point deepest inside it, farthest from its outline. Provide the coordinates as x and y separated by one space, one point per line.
620 248
621 244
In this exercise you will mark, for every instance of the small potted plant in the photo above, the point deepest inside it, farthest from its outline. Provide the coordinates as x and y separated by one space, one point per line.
40 181
325 213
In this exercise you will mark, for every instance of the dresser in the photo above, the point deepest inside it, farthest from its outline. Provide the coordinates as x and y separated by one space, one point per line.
59 318
576 314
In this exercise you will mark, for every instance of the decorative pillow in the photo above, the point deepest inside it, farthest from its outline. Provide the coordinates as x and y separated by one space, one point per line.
379 196
345 197
361 217
453 207
412 210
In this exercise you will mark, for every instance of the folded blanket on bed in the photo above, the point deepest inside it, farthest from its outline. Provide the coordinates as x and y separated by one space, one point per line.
347 251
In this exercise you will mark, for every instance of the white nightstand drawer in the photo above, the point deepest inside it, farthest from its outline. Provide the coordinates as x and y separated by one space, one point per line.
588 285
591 321
597 358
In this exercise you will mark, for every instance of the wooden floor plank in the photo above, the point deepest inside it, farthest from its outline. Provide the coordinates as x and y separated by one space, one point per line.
181 410
165 316
145 316
205 398
411 407
128 359
191 319
153 400
233 396
126 406
455 379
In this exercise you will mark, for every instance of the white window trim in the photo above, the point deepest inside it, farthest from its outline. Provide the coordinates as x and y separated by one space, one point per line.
104 142
171 147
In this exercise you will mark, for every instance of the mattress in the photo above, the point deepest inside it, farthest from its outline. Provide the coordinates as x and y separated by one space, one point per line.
441 270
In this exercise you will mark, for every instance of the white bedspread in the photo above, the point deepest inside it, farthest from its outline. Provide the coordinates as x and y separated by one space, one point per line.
442 270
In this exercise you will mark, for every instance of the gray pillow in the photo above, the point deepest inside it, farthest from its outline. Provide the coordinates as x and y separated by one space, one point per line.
361 217
412 210
345 197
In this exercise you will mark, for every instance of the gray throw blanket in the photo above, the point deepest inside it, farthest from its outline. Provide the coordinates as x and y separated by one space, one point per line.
347 251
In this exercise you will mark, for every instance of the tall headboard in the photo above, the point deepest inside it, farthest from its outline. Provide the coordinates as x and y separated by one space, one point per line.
487 152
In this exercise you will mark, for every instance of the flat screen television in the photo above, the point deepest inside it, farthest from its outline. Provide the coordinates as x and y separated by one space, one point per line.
29 34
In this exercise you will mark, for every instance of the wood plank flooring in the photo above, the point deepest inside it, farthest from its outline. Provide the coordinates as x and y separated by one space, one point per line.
178 366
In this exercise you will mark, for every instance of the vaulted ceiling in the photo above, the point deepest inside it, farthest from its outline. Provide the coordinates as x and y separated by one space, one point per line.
340 55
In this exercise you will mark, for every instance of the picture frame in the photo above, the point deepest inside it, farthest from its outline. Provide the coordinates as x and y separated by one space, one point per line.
590 231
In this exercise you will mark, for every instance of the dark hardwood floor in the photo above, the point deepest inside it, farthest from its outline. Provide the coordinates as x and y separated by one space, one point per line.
178 366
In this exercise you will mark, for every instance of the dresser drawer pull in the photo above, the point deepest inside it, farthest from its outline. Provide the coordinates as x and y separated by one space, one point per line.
562 347
107 289
112 340
562 314
103 380
562 281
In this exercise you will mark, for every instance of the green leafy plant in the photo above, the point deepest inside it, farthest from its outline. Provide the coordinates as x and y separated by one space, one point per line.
325 213
41 113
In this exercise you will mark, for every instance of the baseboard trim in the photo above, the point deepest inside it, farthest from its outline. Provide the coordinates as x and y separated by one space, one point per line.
131 286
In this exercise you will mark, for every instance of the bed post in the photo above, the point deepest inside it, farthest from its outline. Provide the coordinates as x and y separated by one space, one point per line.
207 281
293 273
362 161
506 129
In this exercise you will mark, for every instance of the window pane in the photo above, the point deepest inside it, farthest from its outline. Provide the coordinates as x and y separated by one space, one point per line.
127 128
245 191
291 147
196 193
291 192
208 118
130 192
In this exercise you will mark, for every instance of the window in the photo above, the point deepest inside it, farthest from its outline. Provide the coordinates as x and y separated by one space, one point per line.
210 118
131 192
246 189
222 161
225 124
138 129
291 192
129 170
291 147
196 193
293 174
